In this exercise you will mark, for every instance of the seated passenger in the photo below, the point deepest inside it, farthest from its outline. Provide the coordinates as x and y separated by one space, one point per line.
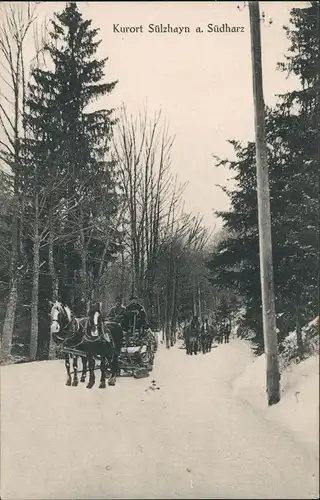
135 315
117 312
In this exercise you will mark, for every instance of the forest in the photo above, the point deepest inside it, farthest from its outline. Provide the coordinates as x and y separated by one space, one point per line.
91 209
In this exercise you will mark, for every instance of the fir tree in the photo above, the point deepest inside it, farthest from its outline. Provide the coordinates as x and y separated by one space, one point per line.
67 147
293 164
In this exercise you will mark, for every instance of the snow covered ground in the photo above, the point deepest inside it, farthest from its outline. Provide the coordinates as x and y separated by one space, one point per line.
298 410
194 437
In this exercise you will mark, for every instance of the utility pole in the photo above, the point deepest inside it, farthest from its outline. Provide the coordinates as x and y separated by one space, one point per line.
264 216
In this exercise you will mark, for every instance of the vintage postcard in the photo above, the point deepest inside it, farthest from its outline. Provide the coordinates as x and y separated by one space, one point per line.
159 225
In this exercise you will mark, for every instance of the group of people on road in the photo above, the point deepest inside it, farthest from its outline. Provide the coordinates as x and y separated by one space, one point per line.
199 336
221 332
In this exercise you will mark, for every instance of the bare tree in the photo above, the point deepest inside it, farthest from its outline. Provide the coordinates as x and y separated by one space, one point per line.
17 20
39 224
159 232
184 236
142 151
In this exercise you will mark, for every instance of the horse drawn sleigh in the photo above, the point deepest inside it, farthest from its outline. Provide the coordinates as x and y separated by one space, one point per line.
94 339
198 338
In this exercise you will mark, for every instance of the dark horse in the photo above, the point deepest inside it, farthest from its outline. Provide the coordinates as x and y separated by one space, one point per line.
67 332
104 339
224 333
206 337
191 337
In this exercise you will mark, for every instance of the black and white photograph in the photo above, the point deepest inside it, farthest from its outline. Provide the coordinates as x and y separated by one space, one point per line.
159 250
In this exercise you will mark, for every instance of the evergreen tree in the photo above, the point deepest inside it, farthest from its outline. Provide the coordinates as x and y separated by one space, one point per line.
67 147
293 144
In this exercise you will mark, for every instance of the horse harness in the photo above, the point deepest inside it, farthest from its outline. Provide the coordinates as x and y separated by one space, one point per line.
67 325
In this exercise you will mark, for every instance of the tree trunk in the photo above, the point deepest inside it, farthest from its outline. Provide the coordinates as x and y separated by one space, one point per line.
83 275
173 303
133 274
150 303
9 319
199 301
35 285
168 334
72 290
300 345
158 311
54 277
10 315
166 321
55 291
21 237
194 300
122 273
168 303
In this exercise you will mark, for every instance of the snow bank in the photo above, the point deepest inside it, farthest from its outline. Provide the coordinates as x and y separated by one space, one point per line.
310 339
298 410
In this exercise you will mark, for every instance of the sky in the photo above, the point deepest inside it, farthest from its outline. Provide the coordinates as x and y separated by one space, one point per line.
201 81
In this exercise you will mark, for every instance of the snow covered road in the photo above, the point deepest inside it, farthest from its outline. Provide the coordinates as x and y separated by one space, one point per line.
191 438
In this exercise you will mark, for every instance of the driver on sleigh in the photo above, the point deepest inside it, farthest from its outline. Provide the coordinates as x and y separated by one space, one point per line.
117 312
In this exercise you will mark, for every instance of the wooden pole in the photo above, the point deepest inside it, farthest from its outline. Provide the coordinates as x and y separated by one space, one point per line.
264 216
